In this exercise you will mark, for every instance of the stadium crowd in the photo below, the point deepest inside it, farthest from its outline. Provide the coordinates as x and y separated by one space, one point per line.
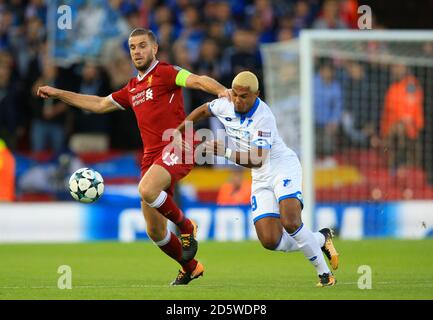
214 37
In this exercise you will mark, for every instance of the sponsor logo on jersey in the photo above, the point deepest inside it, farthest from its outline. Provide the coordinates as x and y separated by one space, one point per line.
141 97
170 159
149 94
239 134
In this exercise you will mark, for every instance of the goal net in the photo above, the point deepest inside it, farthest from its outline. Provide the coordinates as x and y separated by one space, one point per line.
357 106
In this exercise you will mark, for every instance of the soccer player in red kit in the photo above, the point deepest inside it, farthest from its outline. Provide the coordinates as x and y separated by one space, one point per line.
155 96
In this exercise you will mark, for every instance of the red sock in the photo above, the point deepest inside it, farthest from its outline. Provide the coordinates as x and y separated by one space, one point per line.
174 250
189 266
171 211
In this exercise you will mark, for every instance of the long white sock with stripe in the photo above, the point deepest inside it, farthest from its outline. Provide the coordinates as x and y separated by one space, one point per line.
288 244
307 243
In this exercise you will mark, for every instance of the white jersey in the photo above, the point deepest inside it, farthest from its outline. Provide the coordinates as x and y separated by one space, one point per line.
256 128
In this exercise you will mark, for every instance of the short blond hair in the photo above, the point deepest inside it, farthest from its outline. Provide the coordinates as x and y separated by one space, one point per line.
246 79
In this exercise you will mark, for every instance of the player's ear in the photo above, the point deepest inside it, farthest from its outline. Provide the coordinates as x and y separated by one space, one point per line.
155 49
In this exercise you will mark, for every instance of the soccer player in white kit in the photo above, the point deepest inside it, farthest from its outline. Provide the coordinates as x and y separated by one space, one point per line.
276 174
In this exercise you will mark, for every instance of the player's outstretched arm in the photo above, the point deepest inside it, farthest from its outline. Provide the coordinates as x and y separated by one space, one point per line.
197 114
83 101
208 85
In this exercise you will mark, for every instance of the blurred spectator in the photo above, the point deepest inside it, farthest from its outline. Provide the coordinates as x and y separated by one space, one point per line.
210 10
146 9
349 13
166 36
17 8
162 15
243 55
403 118
6 21
331 17
37 8
265 34
328 109
302 17
92 82
50 117
207 62
237 191
264 10
215 31
360 117
285 34
11 113
223 15
192 33
28 48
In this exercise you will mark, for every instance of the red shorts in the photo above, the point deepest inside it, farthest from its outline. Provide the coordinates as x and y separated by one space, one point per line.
178 169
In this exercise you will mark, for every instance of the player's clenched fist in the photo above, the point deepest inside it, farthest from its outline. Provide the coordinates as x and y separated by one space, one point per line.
47 92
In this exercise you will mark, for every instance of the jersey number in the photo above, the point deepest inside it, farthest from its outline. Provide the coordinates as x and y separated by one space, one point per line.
254 203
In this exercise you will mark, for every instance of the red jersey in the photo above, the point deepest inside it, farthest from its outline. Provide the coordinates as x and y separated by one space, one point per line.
157 103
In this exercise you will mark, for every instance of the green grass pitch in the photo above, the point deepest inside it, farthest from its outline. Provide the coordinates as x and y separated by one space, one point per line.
234 270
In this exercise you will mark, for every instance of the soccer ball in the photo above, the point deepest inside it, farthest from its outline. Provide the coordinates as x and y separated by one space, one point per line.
86 185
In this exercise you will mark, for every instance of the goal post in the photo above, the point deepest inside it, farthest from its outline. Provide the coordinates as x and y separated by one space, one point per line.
359 170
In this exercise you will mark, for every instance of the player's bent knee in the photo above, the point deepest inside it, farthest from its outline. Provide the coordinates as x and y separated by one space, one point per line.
269 245
291 223
269 242
290 214
147 193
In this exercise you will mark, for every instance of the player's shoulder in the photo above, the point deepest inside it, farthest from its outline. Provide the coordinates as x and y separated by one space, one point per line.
264 110
220 103
264 114
165 66
132 83
220 106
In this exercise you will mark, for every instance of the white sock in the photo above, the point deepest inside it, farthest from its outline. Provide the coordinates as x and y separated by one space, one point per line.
288 244
159 201
307 243
320 238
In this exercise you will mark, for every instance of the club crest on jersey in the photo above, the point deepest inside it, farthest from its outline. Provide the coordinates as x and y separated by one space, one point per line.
149 80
